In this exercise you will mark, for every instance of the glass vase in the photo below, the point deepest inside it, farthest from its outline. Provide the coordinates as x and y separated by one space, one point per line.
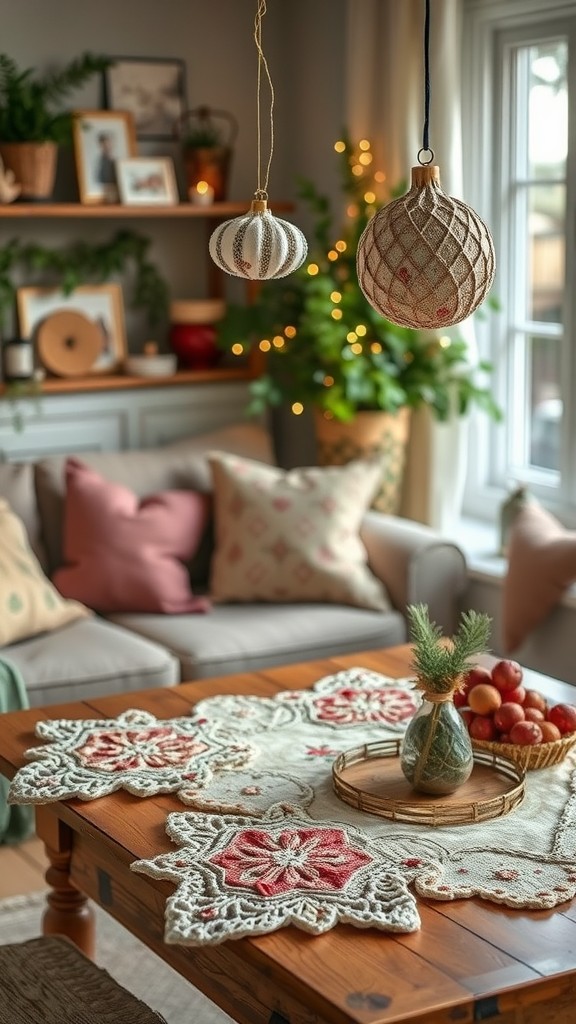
436 755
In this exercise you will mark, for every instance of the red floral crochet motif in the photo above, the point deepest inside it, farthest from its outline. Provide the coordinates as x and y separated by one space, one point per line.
310 858
348 707
119 750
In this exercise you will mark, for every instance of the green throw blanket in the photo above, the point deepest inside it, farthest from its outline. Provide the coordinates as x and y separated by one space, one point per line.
16 823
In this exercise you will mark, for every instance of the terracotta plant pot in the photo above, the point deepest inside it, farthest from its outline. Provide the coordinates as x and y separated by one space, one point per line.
368 434
34 167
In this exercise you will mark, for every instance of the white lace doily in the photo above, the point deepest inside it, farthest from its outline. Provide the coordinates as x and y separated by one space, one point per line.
136 751
526 859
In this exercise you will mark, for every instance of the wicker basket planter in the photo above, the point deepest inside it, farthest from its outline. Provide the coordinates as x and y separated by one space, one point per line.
541 755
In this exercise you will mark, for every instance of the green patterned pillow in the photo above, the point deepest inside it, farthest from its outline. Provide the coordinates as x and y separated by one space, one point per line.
29 603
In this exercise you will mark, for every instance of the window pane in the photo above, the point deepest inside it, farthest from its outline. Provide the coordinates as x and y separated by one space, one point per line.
546 219
548 110
546 403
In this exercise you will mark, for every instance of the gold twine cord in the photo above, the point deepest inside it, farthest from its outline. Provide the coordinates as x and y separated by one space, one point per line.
437 698
262 190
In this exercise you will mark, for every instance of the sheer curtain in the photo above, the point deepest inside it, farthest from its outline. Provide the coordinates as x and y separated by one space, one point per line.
385 103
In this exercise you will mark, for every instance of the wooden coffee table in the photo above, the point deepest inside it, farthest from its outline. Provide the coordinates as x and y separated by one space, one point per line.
470 961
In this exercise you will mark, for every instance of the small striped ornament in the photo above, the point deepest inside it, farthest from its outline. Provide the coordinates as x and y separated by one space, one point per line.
425 260
258 245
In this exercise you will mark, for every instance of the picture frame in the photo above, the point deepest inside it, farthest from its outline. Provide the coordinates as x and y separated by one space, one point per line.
101 137
147 181
152 89
97 343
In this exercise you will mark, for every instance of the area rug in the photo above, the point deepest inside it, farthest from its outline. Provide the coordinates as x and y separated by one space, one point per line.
127 959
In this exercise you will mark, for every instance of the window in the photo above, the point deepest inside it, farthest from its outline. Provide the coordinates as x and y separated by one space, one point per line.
522 158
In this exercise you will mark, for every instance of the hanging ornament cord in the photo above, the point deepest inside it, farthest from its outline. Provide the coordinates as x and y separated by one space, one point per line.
261 193
425 131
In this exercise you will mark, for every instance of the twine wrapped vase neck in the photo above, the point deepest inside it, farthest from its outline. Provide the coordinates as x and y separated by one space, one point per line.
425 260
258 245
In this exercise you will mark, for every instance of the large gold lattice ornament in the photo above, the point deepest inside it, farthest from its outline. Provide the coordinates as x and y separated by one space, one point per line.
425 260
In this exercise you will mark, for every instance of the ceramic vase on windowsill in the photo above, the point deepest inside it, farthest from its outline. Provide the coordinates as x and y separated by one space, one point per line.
436 756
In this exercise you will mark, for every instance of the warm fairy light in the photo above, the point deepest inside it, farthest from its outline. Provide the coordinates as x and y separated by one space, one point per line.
290 331
312 269
297 408
237 349
340 245
357 170
264 345
351 336
278 341
356 348
375 347
364 144
444 341
361 330
328 381
336 314
379 177
369 197
336 296
352 210
365 159
339 146
332 255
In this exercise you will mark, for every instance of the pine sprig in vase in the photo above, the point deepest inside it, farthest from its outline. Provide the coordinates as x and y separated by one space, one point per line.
437 753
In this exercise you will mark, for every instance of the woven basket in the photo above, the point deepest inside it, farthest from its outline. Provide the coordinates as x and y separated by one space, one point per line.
540 755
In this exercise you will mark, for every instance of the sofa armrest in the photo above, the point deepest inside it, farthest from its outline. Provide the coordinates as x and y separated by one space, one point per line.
416 565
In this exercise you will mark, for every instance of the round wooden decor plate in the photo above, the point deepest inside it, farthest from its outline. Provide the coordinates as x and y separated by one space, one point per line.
69 344
370 779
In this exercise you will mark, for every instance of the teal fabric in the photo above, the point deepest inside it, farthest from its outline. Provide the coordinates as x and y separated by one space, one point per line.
16 823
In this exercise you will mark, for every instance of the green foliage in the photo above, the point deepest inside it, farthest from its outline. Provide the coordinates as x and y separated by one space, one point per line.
28 104
439 664
80 263
333 350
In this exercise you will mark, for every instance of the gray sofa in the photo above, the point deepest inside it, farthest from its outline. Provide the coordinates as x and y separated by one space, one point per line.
97 656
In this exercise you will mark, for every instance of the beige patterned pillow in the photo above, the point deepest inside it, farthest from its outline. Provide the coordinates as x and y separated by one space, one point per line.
29 603
292 535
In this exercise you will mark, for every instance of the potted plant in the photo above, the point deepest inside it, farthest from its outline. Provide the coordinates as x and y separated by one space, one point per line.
31 125
207 137
329 350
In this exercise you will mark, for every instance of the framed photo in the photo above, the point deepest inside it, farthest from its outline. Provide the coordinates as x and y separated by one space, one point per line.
101 137
79 334
152 90
147 180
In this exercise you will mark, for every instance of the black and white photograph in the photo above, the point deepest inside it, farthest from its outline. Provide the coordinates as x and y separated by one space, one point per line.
101 138
153 90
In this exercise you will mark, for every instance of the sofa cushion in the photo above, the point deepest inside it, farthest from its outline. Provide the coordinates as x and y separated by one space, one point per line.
29 603
252 637
89 658
123 554
17 488
292 535
541 566
181 465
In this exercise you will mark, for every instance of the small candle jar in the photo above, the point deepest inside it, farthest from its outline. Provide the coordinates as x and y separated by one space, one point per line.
17 359
201 194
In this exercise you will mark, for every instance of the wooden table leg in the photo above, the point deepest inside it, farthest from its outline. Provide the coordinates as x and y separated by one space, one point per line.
68 912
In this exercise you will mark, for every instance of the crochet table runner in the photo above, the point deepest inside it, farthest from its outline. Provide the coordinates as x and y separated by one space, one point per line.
267 842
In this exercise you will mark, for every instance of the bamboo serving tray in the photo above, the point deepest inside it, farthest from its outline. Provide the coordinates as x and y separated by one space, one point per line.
370 779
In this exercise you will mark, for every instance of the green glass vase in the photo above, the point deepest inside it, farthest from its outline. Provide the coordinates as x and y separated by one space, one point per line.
436 755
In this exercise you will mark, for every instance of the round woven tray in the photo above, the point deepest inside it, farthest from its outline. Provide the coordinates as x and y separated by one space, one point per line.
540 755
370 779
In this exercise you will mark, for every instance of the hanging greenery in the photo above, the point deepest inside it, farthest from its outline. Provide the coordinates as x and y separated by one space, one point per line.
83 262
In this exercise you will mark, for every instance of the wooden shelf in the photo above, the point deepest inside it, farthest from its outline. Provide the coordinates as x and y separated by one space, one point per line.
124 382
216 211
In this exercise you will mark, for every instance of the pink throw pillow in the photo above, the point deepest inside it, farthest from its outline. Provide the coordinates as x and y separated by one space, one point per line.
126 555
541 566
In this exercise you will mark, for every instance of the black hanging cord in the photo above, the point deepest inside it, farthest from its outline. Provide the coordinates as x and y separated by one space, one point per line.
425 132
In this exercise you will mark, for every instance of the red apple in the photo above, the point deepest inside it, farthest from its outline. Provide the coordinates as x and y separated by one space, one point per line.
533 714
460 698
506 675
468 716
563 716
507 715
526 733
475 675
550 732
482 728
516 696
